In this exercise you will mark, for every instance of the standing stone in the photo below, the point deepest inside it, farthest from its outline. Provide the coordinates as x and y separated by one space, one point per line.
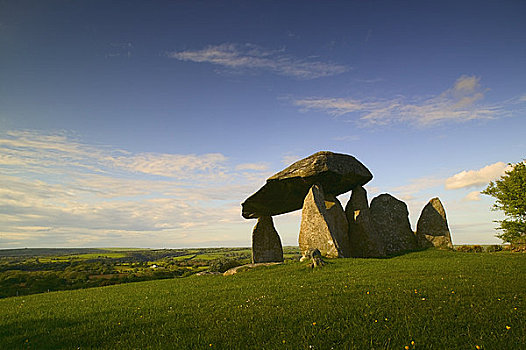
323 225
390 220
285 191
364 241
266 244
432 229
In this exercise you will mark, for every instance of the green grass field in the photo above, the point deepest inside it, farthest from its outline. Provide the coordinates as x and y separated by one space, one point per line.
431 299
108 255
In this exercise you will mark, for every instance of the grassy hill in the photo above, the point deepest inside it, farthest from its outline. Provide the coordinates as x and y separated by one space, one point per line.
430 299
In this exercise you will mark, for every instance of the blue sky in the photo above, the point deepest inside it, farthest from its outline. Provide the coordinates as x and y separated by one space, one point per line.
146 124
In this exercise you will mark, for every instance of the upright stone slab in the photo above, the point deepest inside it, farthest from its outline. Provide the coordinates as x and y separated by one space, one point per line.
432 229
364 241
390 219
266 244
323 225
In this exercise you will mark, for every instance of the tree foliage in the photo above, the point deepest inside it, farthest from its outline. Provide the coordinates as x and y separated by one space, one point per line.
510 194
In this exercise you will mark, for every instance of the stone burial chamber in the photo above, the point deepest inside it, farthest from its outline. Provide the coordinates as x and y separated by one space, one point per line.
361 230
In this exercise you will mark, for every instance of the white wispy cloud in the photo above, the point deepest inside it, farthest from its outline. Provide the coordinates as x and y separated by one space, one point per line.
461 180
478 177
473 196
253 57
416 192
417 185
289 159
172 165
48 152
347 138
460 103
45 153
253 166
57 190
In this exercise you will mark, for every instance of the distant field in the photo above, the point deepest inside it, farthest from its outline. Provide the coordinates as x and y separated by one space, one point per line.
430 299
52 251
101 254
112 255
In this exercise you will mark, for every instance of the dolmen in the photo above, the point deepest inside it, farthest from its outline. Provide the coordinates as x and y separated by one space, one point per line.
312 184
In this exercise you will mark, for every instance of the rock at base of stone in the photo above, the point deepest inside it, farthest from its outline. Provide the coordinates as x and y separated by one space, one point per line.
204 273
364 241
429 241
316 258
266 244
323 225
390 219
247 267
432 229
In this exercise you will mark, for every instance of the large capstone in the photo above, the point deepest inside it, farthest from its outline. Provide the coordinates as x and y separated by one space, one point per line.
266 244
285 191
390 219
432 229
323 225
364 240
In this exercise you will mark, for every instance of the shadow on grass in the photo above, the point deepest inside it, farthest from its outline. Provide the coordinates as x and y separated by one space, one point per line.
401 253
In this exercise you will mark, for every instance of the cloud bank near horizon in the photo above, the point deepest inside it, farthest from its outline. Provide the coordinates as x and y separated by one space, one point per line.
58 189
79 194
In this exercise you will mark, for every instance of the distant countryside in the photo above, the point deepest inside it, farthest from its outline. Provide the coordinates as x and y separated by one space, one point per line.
30 271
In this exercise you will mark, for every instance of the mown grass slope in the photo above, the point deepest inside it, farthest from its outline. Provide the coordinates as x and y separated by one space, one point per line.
430 299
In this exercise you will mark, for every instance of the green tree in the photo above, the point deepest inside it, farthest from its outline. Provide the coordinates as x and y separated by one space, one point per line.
510 194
